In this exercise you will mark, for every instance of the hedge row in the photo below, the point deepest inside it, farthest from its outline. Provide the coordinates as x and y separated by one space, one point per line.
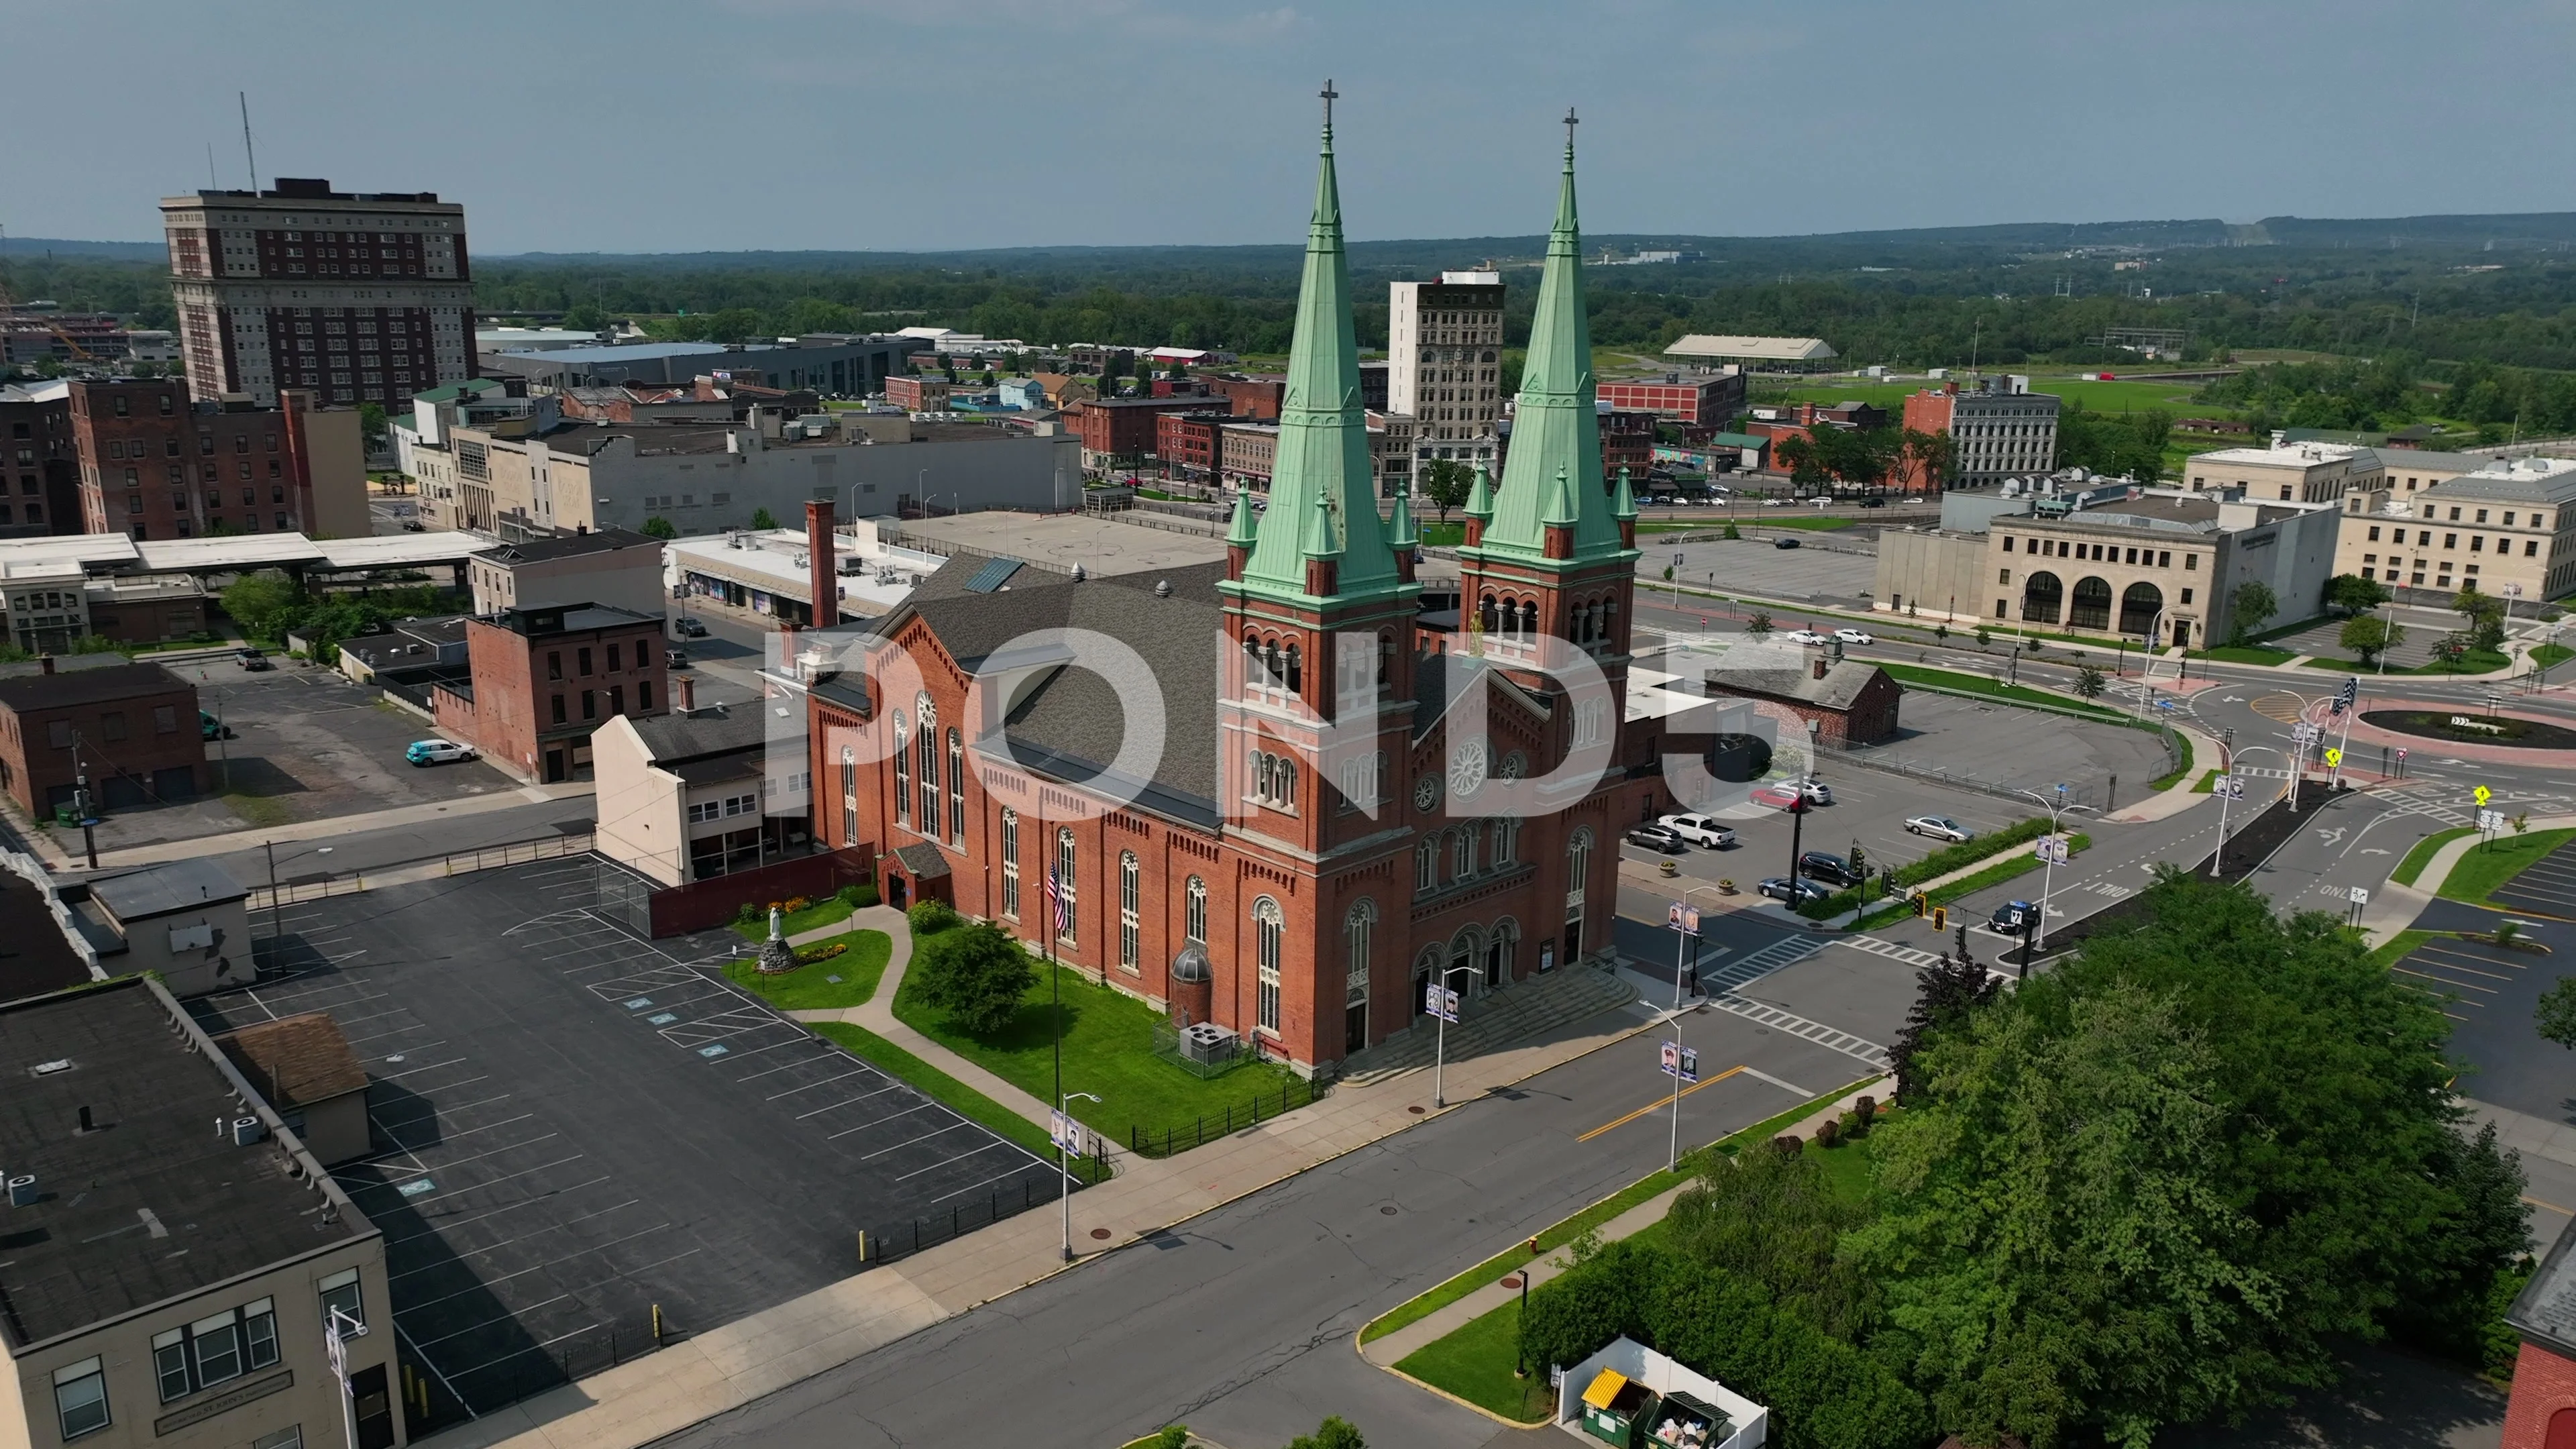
1823 1393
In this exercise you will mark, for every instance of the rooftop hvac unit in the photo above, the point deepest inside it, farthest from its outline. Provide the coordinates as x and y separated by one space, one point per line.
1207 1042
247 1130
22 1190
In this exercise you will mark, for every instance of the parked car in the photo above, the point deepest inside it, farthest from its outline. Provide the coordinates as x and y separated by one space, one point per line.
1854 636
437 752
1784 541
1699 830
1656 837
211 728
1794 893
1778 797
675 658
2012 916
1807 637
1775 502
688 628
414 525
252 659
1873 501
1826 866
1816 791
1939 827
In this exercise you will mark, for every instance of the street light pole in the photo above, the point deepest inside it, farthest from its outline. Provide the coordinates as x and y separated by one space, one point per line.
1684 921
1064 1163
2057 811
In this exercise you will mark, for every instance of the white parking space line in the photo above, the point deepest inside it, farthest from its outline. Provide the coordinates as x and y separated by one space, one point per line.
449 1225
960 1157
522 1238
845 1102
881 1121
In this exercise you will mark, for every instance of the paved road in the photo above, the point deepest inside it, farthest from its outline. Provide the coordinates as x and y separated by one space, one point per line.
369 849
1241 1323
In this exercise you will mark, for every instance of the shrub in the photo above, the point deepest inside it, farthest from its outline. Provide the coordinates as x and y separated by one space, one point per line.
929 918
857 897
973 974
746 914
1827 1132
1821 1391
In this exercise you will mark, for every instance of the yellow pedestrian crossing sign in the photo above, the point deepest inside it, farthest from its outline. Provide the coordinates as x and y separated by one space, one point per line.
2334 757
2482 794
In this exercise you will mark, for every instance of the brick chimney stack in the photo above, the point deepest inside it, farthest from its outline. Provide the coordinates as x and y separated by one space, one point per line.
825 580
687 688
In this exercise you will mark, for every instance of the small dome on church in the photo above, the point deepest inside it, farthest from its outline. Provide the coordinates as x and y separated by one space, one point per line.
1190 968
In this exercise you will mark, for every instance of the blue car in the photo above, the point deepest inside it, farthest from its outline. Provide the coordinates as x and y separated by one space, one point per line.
437 752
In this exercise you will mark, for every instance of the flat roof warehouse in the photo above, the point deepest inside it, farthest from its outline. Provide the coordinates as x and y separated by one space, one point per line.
136 1201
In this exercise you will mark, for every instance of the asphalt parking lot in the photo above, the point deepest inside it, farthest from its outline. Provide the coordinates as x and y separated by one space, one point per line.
308 745
2489 993
2546 887
1825 565
574 1127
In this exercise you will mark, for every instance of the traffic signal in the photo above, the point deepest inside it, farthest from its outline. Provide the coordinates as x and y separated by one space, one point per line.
1922 903
1940 918
2351 692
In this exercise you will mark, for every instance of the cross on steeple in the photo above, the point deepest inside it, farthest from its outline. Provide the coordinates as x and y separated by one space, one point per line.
1570 124
1330 95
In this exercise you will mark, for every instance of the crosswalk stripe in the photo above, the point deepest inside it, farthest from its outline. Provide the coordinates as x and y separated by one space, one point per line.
1799 1026
1910 955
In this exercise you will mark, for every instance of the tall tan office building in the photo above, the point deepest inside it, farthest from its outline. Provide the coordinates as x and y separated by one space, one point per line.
1444 344
357 297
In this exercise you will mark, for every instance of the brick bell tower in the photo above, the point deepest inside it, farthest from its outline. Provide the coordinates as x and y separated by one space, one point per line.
1319 606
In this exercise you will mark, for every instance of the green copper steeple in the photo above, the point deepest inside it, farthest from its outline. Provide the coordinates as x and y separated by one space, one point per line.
1241 533
1322 460
1401 535
1555 430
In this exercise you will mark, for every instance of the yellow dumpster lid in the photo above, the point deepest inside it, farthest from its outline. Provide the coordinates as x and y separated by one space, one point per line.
1605 1388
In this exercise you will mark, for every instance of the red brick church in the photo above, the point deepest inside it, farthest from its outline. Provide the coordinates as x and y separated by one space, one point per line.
1345 801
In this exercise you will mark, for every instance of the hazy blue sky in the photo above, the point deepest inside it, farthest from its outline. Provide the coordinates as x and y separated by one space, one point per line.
867 124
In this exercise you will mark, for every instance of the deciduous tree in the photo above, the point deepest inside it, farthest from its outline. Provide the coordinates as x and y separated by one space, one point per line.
973 974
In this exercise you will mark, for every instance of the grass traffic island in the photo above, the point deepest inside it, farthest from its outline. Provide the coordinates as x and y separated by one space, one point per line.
1108 1051
2488 866
2019 865
829 981
1961 682
2465 728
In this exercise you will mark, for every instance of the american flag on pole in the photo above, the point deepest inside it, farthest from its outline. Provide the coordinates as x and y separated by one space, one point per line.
1056 904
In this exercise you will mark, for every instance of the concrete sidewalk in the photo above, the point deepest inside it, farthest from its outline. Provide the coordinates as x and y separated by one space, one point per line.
2393 907
725 1368
1393 1348
329 826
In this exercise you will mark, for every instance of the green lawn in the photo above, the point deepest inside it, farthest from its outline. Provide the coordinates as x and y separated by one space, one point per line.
1423 1305
904 1066
2010 693
2398 948
1444 535
2208 783
1779 518
2416 859
2490 865
2549 654
841 981
1108 1051
826 912
2182 767
1476 1364
2476 661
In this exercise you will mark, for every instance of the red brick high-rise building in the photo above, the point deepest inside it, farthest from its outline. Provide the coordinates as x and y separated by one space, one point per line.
355 297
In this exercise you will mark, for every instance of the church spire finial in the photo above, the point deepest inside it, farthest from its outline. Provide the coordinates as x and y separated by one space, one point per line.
1571 121
1330 95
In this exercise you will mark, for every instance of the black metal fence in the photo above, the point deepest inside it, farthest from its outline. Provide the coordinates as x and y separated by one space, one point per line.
434 1399
889 1241
1181 1137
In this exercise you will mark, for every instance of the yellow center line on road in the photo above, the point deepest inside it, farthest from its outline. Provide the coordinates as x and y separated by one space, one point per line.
1659 1104
2553 1207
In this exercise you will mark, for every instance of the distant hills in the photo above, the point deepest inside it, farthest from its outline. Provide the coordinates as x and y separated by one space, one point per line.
2504 231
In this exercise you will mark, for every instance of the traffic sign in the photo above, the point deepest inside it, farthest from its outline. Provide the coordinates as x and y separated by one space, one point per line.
2333 756
2491 821
2358 895
2481 794
2401 752
2303 733
1441 1002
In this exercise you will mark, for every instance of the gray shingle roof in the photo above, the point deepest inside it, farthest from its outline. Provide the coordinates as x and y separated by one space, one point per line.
1839 689
674 738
